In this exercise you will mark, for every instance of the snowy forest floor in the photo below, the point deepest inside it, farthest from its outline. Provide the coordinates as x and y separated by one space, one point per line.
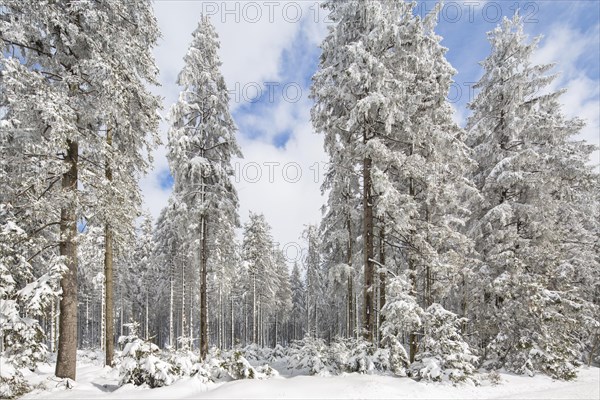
97 382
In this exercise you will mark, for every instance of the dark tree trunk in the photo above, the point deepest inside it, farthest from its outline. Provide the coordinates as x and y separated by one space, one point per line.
108 274
203 303
350 280
67 342
413 284
368 318
382 275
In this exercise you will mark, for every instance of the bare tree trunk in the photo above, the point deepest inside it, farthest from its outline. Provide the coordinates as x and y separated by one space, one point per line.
350 279
316 319
108 272
254 319
146 331
183 321
171 308
413 284
203 298
382 275
368 318
246 319
307 303
103 316
67 342
122 310
232 325
109 323
220 322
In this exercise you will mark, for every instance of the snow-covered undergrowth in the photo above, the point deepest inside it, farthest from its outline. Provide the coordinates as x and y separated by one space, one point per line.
216 381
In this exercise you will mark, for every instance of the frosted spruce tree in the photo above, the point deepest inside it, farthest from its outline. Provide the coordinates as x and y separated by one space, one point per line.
77 93
283 297
23 298
200 149
298 311
532 229
381 102
261 286
315 282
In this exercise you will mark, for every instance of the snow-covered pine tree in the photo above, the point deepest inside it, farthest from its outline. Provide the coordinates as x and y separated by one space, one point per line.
298 312
201 145
403 317
381 96
444 354
168 242
341 107
91 285
259 257
532 229
341 223
82 78
225 264
145 269
283 298
315 282
23 297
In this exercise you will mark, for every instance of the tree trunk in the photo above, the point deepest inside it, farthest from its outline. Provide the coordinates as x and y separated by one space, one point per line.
276 331
232 325
307 302
382 275
67 342
109 323
103 316
368 250
203 299
146 331
171 308
413 284
108 272
183 321
254 320
350 279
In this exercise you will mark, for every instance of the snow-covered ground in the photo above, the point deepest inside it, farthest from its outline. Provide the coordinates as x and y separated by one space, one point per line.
96 382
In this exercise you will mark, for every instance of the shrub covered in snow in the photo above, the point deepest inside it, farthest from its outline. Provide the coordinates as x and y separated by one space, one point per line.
278 353
238 367
353 355
403 316
311 354
444 354
22 336
140 363
256 352
12 383
183 362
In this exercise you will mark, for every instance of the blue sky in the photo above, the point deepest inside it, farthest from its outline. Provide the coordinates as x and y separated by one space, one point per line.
269 58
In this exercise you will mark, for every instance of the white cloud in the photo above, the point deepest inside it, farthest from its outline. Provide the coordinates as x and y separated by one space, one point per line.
571 50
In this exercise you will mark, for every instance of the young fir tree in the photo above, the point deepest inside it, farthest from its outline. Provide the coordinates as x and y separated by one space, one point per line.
283 296
315 284
298 312
262 284
201 145
445 355
78 87
23 298
532 228
168 242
